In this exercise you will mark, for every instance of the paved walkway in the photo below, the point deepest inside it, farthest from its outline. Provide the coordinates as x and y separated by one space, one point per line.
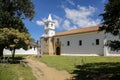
42 72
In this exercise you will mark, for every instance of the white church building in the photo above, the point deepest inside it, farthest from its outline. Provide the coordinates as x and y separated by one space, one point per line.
77 42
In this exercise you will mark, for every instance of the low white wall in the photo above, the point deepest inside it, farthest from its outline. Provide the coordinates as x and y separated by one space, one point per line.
107 50
112 53
22 51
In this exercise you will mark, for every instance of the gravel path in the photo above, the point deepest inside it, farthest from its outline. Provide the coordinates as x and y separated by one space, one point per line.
42 72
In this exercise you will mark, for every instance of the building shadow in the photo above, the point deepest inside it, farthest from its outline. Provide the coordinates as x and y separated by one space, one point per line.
97 71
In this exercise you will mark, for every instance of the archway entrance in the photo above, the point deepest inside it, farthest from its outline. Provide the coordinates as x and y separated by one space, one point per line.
58 51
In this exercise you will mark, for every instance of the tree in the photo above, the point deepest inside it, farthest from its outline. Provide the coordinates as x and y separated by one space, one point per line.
111 22
12 12
14 39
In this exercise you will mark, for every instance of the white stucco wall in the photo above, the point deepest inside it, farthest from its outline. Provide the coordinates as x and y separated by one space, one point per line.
22 51
88 47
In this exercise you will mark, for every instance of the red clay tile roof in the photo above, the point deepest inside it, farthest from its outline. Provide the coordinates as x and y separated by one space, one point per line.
76 31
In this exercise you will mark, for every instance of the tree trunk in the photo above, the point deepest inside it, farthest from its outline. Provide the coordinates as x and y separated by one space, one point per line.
13 54
1 50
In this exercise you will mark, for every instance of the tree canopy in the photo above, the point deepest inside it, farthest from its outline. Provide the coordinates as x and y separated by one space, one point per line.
17 8
12 14
14 39
111 22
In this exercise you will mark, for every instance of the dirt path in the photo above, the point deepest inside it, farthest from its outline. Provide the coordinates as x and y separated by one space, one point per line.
42 72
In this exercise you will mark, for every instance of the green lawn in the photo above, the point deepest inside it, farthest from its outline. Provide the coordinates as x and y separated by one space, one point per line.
85 67
69 62
15 71
82 68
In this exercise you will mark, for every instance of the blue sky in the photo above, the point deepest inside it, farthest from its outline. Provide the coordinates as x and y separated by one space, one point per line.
68 14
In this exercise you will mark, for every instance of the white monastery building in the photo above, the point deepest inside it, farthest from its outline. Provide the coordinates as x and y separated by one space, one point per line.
77 42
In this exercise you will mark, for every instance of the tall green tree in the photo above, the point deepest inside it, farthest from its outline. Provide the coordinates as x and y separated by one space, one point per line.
12 12
111 22
14 39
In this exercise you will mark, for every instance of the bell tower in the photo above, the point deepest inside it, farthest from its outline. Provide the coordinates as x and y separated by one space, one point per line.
47 38
49 29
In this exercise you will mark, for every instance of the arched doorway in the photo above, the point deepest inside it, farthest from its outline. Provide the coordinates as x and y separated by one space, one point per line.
58 51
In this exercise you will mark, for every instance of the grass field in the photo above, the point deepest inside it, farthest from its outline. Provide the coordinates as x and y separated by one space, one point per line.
69 62
86 68
82 68
15 71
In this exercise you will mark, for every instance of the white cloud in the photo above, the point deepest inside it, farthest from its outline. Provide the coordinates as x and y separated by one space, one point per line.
57 20
67 25
56 23
71 2
67 3
74 18
63 24
82 16
40 23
